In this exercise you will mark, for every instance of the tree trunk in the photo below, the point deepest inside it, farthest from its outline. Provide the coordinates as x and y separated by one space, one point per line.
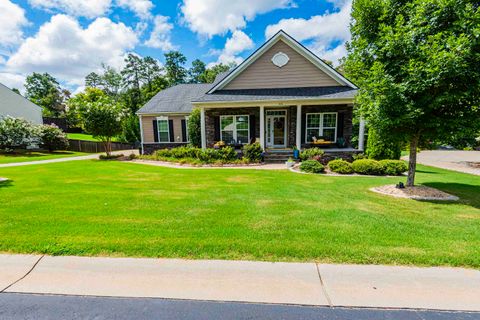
412 161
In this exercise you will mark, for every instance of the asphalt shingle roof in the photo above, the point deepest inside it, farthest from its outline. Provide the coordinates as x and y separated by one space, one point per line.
338 92
180 97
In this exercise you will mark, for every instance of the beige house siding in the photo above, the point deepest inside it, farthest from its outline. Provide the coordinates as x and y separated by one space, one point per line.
299 72
147 127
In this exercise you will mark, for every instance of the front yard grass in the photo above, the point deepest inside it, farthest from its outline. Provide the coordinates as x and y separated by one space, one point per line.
125 209
26 156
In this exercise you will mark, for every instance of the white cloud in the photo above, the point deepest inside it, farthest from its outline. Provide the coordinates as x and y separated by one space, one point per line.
161 34
12 19
141 8
67 51
212 17
321 30
236 44
78 8
12 80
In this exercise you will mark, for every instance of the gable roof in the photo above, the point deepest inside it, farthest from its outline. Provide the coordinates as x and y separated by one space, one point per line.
299 48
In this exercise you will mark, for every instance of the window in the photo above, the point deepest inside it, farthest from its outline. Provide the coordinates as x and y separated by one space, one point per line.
163 129
321 126
235 129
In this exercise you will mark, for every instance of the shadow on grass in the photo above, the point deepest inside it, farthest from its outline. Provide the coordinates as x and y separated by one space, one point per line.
6 183
469 194
426 171
33 153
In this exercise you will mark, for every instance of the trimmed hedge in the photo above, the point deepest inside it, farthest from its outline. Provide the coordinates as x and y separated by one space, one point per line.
394 167
309 154
340 166
368 166
312 166
226 154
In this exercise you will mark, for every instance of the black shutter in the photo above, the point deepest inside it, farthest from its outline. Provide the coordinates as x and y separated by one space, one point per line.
170 128
340 125
304 121
155 131
217 128
252 128
184 130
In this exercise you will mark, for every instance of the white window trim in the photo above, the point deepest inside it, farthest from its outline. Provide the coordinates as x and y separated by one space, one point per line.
321 127
158 129
234 126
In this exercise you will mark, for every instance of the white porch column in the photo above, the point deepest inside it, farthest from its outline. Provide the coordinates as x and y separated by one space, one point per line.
202 128
361 135
262 127
299 127
141 132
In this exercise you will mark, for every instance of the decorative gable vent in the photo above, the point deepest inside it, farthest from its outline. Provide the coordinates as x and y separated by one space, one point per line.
280 59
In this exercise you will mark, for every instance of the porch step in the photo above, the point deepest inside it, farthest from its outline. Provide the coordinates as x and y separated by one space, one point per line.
278 155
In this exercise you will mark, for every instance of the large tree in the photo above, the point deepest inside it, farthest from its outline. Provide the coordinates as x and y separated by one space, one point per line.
211 73
133 74
417 64
45 91
111 81
175 67
93 80
197 71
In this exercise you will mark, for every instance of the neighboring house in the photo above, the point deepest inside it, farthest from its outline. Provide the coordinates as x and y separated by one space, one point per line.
14 105
281 96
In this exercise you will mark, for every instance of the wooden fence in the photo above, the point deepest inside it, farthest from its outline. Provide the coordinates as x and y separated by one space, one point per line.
96 147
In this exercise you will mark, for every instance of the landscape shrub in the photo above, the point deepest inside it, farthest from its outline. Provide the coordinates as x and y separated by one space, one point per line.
312 166
309 154
368 166
340 166
52 138
253 152
16 133
226 154
394 167
194 128
380 147
110 156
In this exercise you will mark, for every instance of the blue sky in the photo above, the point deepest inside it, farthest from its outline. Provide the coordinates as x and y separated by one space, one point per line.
70 38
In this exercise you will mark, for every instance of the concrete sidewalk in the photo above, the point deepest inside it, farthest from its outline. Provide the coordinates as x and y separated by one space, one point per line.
245 281
66 159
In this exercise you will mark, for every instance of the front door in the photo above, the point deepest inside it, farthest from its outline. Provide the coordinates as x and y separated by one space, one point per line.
276 129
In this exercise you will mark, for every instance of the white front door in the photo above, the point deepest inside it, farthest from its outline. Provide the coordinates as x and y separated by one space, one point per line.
276 129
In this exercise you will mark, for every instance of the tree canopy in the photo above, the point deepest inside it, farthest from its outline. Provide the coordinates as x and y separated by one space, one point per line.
416 63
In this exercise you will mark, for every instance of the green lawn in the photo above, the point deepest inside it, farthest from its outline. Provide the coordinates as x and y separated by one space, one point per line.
125 209
86 137
36 155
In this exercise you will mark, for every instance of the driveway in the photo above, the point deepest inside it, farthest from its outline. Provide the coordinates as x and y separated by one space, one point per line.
462 161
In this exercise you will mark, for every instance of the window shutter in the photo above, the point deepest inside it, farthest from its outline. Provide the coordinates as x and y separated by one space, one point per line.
170 129
217 128
184 130
340 121
252 127
304 122
155 131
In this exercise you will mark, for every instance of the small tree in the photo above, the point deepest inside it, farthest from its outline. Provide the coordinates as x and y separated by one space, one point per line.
131 129
194 128
103 120
16 133
416 63
52 138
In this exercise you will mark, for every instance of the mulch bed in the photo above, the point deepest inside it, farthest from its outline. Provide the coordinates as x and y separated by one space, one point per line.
416 193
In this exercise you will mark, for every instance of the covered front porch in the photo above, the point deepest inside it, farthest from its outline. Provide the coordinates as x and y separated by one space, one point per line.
281 126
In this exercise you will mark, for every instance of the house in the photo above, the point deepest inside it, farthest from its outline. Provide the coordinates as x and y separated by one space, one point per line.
14 105
282 96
